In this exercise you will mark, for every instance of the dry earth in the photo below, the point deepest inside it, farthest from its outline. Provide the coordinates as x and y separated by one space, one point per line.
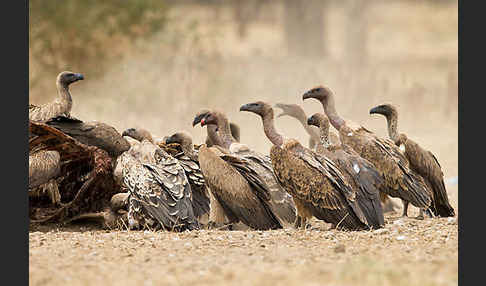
406 252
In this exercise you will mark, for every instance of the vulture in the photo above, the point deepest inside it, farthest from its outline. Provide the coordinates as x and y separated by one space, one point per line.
159 192
400 180
212 131
75 171
281 202
422 161
361 175
315 182
61 105
296 111
188 158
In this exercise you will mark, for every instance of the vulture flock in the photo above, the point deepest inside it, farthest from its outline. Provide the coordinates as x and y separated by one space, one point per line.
345 175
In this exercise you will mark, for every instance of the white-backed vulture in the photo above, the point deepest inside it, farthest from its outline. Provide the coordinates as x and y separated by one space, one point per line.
361 175
61 105
212 132
317 186
281 202
181 142
297 112
160 194
400 180
422 161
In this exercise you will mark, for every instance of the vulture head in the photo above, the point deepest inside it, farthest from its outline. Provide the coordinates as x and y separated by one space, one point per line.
387 110
261 108
212 117
199 116
318 120
320 93
180 137
138 134
65 78
292 110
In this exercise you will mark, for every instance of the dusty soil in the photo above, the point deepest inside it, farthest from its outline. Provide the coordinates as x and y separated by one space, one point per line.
406 252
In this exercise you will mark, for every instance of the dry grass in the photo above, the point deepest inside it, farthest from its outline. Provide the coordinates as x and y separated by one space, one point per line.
412 63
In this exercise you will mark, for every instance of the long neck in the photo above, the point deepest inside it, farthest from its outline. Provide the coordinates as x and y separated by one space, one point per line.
392 122
270 131
64 96
188 149
213 135
324 136
225 131
332 114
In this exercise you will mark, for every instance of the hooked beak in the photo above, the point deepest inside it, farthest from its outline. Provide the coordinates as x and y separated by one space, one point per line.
306 96
376 109
79 76
246 107
310 121
198 119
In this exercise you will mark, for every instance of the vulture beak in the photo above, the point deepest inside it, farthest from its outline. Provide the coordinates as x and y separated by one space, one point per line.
198 119
128 132
247 107
376 109
169 140
307 95
79 76
203 122
310 121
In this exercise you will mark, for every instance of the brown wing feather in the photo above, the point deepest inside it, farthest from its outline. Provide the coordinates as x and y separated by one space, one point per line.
309 180
426 165
241 197
281 202
400 180
159 191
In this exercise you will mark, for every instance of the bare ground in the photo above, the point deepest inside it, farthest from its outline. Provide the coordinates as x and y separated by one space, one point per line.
406 252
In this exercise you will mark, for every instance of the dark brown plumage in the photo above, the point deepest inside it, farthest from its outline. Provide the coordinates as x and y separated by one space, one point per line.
360 174
93 133
188 158
296 111
400 180
280 201
160 194
422 161
241 193
315 182
61 105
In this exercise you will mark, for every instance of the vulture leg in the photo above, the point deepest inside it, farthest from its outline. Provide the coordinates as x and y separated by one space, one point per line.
405 208
421 215
216 213
303 214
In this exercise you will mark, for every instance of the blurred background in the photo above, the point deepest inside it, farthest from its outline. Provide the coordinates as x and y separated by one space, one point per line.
154 64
